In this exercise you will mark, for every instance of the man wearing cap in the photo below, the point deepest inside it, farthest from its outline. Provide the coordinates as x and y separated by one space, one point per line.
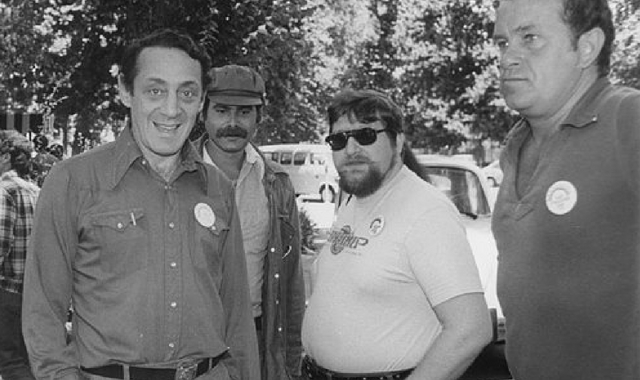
268 214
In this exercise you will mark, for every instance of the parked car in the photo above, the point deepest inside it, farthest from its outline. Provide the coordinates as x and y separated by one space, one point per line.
310 167
466 186
493 173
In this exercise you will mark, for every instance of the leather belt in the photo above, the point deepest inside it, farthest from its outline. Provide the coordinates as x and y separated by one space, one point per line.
315 372
117 371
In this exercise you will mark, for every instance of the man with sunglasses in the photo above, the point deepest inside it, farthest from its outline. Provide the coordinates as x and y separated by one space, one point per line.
268 215
397 293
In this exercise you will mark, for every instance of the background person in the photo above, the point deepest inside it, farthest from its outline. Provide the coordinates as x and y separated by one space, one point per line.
145 238
567 217
397 293
17 204
268 215
43 160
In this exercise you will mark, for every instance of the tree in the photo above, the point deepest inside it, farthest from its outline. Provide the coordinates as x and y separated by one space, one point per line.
80 43
434 58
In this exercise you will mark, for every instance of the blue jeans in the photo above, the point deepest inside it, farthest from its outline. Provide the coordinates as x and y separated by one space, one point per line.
14 361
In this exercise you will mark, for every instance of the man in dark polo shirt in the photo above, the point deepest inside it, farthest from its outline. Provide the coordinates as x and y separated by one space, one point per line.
567 217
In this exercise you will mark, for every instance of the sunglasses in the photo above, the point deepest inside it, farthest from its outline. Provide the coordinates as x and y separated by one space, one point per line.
364 136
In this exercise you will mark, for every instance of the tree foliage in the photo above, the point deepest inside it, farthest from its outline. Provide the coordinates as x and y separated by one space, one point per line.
71 48
435 58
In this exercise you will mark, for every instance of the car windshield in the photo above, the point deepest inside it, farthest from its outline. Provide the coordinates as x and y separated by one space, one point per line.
462 187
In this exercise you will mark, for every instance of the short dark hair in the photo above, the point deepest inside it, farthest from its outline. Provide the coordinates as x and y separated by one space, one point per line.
584 15
366 106
19 148
167 38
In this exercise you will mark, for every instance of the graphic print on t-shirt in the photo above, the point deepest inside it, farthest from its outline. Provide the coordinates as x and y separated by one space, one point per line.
345 238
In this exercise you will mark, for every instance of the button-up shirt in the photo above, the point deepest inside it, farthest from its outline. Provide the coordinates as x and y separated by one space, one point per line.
17 204
253 208
155 269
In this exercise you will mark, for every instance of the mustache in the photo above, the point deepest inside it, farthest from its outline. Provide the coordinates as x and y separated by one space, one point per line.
356 160
232 131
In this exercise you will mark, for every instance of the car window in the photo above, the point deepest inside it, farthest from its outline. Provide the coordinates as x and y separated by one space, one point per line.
318 159
285 158
299 158
462 187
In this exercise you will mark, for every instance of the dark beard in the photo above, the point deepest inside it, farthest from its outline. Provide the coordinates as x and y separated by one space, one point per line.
365 186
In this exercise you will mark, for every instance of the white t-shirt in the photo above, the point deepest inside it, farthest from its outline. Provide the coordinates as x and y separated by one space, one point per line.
389 259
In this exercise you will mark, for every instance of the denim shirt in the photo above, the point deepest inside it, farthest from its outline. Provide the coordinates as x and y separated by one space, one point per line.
151 282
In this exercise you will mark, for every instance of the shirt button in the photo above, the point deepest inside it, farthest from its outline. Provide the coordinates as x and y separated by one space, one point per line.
174 304
273 249
173 264
277 275
144 162
172 345
120 225
171 225
279 329
277 302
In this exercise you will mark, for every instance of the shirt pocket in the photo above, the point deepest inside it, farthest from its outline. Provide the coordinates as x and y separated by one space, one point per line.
121 239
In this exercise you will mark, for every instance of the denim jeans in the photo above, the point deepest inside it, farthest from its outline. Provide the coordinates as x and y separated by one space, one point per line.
14 361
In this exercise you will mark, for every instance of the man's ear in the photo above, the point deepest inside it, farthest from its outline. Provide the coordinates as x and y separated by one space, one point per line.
125 95
400 140
589 46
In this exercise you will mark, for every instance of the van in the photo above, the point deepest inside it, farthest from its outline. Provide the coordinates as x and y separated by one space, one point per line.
310 167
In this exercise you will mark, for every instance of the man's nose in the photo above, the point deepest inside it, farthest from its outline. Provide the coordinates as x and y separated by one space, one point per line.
352 146
510 58
171 105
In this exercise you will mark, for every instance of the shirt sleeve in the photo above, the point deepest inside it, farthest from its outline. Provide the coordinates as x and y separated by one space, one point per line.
295 291
7 221
48 280
440 256
243 362
628 132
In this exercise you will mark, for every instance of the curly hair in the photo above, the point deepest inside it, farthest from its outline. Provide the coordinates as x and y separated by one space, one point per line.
19 149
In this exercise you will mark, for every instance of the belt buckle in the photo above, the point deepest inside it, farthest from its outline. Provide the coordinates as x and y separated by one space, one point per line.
187 369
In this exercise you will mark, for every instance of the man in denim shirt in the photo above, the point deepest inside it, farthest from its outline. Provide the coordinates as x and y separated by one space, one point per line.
145 239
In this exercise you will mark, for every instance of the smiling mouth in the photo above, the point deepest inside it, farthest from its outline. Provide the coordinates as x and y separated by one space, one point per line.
166 127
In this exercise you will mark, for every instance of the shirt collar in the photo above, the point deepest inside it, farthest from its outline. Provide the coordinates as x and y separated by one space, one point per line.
584 112
127 152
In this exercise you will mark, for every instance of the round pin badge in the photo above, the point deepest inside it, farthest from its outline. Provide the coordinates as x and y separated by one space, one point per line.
205 215
376 226
561 197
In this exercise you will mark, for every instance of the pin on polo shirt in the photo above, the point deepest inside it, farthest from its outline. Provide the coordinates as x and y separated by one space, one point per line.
561 197
205 216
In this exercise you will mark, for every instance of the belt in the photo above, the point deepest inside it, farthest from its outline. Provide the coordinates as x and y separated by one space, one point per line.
314 372
185 372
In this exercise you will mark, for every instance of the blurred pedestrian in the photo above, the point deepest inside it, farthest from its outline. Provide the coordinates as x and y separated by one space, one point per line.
145 238
397 293
268 214
567 217
17 204
43 160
